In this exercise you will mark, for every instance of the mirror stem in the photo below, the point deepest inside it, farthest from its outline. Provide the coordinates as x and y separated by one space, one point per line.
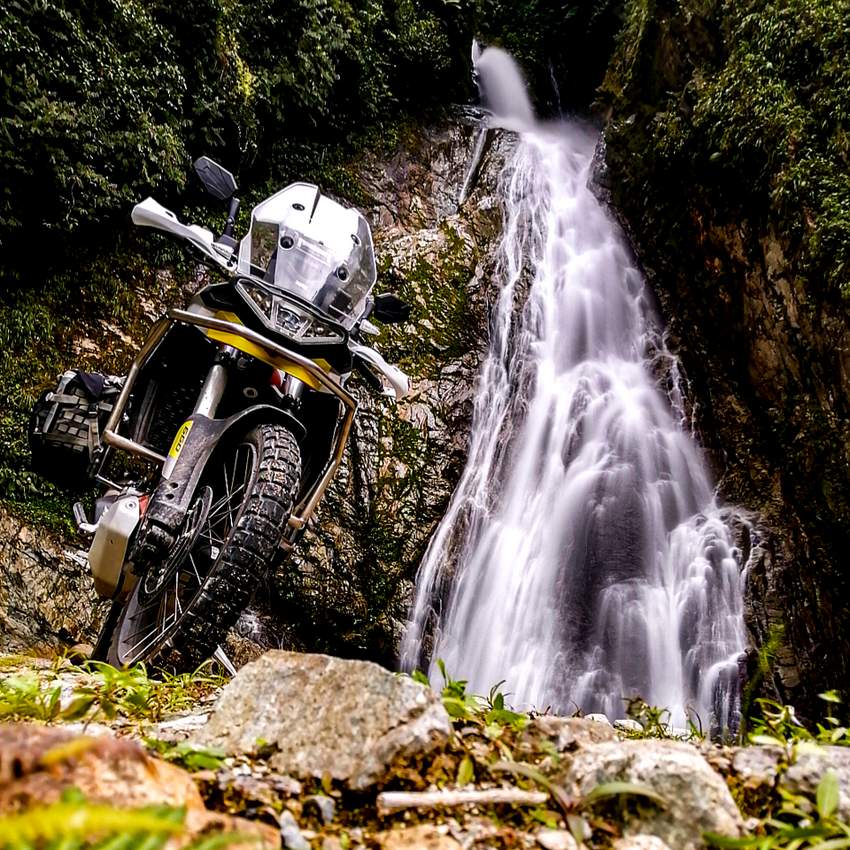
231 217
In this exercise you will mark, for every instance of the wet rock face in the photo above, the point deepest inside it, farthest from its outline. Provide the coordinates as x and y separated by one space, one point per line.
765 349
347 587
47 597
325 716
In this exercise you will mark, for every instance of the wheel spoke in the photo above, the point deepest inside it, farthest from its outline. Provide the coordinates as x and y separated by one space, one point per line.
156 610
195 568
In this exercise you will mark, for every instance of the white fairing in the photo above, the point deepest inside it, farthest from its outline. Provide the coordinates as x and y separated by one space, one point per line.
150 213
303 242
397 384
109 547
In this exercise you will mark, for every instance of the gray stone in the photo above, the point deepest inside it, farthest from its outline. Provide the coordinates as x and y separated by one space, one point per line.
755 767
697 798
47 597
322 715
598 718
811 764
640 842
324 806
626 724
556 839
290 834
568 733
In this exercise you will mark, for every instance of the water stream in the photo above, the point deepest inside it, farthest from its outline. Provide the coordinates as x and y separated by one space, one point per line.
583 558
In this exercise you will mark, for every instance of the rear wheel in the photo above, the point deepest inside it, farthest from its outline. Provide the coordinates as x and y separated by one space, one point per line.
184 604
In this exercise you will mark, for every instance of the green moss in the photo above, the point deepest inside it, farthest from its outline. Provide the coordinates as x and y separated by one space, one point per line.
747 102
42 335
441 326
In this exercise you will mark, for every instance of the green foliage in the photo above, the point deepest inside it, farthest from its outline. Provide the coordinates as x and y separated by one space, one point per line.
655 723
104 693
188 755
754 119
90 120
778 724
74 824
489 712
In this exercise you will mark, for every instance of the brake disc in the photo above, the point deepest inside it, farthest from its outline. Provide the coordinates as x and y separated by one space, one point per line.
158 575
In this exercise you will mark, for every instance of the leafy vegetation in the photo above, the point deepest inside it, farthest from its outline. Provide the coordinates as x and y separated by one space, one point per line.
75 824
490 743
103 693
778 724
756 119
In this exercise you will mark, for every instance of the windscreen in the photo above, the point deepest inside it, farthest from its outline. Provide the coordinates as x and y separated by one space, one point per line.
307 244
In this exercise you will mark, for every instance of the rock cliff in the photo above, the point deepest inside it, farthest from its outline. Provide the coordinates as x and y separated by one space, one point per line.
713 133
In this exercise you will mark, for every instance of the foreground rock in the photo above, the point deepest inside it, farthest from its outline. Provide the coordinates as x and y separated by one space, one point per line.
39 763
697 799
326 716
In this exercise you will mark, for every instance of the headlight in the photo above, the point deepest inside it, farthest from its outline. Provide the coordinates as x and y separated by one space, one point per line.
281 315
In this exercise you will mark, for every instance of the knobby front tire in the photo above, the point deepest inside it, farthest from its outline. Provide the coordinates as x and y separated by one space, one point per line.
181 610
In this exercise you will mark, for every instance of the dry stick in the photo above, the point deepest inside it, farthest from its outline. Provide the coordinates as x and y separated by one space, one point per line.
394 801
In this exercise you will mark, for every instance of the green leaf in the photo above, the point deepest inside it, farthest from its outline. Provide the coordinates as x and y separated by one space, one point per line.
465 771
767 740
830 696
456 708
828 793
78 707
621 789
724 841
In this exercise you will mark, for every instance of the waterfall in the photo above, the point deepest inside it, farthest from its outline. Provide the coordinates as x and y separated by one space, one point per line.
584 558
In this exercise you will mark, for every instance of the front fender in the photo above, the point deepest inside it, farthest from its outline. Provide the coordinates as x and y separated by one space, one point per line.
196 440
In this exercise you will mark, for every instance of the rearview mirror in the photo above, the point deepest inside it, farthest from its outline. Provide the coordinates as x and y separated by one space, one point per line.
218 181
390 309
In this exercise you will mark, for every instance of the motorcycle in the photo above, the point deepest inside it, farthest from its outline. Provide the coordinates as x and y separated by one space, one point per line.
215 449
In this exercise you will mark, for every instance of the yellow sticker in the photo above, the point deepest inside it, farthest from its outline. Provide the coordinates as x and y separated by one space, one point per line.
180 439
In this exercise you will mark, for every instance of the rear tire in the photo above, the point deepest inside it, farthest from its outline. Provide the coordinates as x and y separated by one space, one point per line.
181 608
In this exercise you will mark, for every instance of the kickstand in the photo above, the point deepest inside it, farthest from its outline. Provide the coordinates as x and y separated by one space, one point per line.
221 656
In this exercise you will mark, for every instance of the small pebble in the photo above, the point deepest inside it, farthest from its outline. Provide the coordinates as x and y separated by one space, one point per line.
290 834
326 807
626 724
556 839
599 718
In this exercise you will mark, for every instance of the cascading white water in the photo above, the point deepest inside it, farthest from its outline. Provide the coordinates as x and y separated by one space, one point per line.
583 558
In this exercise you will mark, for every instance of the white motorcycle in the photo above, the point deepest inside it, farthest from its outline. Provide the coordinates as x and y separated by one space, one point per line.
215 449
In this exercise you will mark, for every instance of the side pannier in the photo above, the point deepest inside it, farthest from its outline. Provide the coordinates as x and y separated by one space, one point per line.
66 425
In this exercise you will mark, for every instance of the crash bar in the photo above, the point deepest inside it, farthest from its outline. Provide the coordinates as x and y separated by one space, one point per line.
302 511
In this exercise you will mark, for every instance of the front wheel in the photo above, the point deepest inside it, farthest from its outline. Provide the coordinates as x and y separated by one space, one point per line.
182 607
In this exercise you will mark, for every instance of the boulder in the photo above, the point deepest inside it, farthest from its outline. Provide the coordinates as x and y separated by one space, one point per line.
39 763
569 733
349 720
805 774
697 798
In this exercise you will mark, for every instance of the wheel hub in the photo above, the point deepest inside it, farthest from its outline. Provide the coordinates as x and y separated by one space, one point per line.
158 575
